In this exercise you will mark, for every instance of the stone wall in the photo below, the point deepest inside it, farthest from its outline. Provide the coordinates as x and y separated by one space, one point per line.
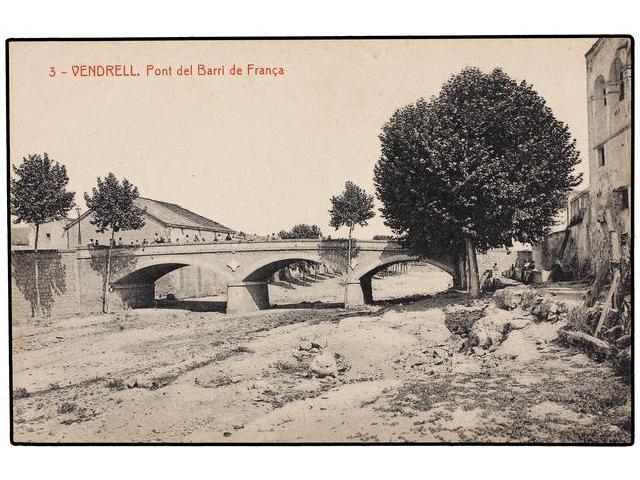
500 256
57 281
570 249
190 282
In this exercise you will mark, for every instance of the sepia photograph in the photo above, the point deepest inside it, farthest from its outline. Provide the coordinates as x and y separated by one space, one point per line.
320 240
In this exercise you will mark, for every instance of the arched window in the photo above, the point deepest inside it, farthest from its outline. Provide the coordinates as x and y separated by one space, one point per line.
617 76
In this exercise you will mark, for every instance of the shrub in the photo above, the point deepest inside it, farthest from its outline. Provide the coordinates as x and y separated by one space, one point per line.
116 384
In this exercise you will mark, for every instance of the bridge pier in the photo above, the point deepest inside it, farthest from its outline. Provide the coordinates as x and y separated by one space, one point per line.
247 297
358 292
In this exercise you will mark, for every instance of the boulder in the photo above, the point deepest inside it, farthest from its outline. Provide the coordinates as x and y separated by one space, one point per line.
324 365
507 298
459 318
491 330
305 345
529 298
519 323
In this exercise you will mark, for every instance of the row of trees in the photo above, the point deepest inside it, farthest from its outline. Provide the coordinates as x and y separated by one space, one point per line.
39 195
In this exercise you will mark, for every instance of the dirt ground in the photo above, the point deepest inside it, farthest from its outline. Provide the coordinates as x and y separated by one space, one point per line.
162 375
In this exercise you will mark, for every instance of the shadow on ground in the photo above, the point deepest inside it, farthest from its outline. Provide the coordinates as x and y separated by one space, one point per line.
193 305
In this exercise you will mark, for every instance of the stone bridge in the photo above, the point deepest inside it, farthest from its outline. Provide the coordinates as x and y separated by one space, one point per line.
246 268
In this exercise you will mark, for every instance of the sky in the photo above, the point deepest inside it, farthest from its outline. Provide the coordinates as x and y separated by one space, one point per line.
257 153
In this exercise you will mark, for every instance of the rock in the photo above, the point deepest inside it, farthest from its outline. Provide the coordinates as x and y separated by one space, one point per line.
324 365
490 331
305 345
459 319
341 363
506 299
529 298
519 323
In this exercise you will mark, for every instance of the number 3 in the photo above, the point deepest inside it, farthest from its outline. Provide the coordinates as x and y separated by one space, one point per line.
52 72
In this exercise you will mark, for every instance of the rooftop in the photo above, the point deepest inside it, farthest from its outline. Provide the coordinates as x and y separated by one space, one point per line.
171 215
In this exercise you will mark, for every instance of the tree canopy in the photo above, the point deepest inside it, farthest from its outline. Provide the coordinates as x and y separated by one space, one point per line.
352 207
112 203
39 190
302 230
485 160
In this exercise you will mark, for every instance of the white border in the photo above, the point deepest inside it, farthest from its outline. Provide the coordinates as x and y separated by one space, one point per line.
330 17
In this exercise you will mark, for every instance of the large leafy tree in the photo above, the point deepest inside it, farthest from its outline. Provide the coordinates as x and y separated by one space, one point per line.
39 195
352 207
113 209
482 164
302 230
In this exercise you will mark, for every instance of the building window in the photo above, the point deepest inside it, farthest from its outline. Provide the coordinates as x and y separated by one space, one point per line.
621 198
601 157
48 236
599 98
621 80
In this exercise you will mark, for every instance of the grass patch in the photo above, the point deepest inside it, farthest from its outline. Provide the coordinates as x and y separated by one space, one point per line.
116 384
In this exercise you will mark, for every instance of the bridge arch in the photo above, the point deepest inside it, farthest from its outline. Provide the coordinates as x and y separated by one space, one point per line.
135 286
261 270
359 288
371 268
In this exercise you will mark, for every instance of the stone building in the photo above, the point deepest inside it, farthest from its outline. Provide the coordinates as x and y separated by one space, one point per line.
609 86
163 221
599 218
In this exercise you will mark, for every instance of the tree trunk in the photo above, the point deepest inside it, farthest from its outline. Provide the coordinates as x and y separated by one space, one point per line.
458 282
465 270
474 281
349 250
105 287
346 277
38 308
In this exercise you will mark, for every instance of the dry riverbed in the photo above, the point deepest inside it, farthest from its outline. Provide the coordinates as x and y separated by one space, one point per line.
180 376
